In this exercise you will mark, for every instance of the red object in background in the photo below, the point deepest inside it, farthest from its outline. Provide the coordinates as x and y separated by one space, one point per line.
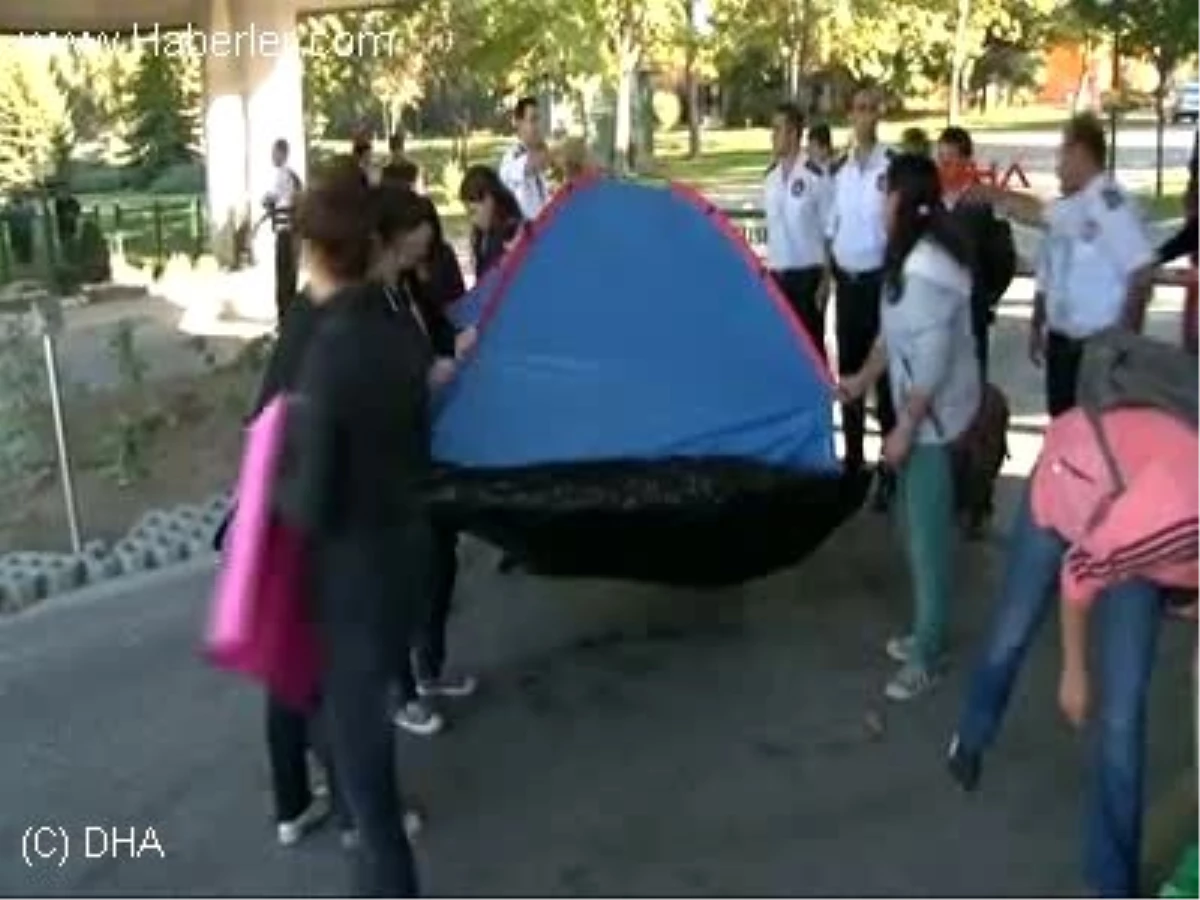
958 176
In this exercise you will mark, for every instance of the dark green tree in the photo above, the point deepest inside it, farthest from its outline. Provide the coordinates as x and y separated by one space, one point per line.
163 125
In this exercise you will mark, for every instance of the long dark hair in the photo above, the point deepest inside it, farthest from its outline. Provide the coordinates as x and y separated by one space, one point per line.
397 211
920 215
482 181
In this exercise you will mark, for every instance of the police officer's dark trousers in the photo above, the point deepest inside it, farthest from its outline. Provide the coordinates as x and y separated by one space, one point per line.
287 270
1063 358
858 298
800 287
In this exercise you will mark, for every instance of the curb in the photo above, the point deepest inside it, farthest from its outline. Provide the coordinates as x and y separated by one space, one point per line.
160 542
114 588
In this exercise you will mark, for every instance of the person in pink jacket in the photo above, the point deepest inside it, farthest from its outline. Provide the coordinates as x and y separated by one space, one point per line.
1113 552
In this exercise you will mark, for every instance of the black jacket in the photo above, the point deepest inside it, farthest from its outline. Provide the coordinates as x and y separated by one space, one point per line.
488 247
993 254
358 436
1183 242
283 367
355 453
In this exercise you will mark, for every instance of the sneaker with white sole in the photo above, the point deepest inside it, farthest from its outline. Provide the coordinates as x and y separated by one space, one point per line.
452 686
910 682
414 823
900 649
292 831
904 650
418 718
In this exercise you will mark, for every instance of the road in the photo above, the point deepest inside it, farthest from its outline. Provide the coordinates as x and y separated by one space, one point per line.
629 741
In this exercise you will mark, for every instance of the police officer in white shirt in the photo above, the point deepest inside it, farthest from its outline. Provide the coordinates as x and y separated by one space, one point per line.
858 240
796 198
1096 265
279 204
523 165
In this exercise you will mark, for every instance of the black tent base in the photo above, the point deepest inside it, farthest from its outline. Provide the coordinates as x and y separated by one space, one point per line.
685 522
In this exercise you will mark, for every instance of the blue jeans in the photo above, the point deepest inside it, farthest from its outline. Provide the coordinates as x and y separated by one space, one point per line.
1126 618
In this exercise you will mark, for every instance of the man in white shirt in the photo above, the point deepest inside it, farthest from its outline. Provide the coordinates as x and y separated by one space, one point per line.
1096 266
523 165
279 205
858 240
796 198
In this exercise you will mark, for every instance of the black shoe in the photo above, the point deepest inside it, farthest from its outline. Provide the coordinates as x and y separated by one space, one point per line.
965 767
885 491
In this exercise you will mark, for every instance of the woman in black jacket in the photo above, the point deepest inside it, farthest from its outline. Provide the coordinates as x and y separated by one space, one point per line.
357 448
496 220
422 278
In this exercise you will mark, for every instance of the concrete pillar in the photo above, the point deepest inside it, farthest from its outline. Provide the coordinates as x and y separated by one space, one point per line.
253 95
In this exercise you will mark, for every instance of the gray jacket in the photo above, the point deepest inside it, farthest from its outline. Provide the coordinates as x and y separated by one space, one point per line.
930 345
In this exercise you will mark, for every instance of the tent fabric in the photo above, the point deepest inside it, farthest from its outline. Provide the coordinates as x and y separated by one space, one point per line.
641 402
631 325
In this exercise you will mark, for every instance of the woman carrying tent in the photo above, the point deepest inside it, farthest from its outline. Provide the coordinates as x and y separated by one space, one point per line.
926 346
412 266
1109 522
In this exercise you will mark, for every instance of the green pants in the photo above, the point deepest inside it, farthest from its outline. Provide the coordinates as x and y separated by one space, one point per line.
926 495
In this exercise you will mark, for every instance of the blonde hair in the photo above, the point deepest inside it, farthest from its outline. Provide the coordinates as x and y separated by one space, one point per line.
574 157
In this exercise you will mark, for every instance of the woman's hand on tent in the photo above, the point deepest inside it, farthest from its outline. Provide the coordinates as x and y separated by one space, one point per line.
898 444
465 341
851 388
1073 694
442 372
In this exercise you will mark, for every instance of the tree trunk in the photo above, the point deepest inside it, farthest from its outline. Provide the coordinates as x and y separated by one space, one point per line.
692 83
623 131
958 62
1160 122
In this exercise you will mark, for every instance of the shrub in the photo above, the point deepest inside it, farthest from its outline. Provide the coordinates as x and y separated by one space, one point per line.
96 178
179 178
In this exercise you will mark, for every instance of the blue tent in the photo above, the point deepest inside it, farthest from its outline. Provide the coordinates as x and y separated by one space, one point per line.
631 349
633 326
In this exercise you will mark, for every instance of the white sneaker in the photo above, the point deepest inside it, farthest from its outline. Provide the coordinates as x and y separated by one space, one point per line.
453 686
291 832
910 682
904 650
414 823
418 718
900 649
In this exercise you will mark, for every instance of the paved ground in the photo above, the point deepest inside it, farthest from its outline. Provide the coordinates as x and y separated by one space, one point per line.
629 742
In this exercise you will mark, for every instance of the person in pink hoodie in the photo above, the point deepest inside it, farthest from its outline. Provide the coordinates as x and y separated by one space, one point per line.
1114 551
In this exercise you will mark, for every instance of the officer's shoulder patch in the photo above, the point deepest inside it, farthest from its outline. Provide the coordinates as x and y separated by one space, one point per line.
798 187
813 167
1113 198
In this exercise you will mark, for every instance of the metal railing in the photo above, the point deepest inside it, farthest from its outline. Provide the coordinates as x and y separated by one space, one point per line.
32 243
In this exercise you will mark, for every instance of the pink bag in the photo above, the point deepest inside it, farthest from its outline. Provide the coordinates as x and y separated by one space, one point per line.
258 623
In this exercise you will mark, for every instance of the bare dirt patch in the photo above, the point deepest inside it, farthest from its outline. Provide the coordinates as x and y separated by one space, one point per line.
134 448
